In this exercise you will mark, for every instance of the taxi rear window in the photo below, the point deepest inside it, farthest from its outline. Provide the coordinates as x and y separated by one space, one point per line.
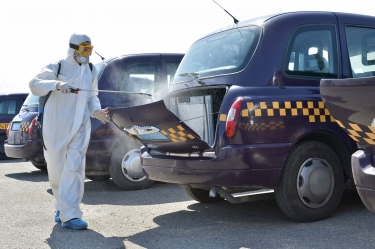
222 53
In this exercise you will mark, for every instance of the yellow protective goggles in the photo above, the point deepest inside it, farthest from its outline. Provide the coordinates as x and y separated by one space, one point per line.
83 50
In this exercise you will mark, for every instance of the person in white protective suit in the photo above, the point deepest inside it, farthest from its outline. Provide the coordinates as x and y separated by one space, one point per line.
67 127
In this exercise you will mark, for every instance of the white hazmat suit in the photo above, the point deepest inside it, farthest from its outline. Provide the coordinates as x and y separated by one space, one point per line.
67 127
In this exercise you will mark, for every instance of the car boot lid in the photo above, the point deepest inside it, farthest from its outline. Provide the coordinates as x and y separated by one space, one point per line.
351 103
154 126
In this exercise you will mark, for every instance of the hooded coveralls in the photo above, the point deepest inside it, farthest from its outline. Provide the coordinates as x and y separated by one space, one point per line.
67 128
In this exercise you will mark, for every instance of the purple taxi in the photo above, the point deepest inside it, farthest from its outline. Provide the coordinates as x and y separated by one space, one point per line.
244 118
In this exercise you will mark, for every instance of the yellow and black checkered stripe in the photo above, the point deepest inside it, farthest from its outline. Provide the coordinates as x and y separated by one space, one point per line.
359 133
177 134
25 126
314 110
103 131
4 126
261 126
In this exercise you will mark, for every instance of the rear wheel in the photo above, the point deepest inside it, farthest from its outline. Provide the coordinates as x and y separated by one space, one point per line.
312 182
39 163
125 167
201 195
2 150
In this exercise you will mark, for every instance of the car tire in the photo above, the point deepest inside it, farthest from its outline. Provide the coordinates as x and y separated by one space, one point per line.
125 166
2 149
39 163
312 182
201 195
98 178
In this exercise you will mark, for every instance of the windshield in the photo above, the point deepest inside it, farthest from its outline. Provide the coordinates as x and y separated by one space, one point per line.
31 100
222 53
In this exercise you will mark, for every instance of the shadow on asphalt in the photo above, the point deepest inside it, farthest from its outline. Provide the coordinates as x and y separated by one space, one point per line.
208 225
106 192
35 175
31 176
84 238
11 160
350 202
259 224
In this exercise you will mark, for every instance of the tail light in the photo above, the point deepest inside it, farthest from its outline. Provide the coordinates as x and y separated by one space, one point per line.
232 118
8 129
32 125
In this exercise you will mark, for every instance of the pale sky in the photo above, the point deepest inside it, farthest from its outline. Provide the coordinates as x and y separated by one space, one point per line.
35 33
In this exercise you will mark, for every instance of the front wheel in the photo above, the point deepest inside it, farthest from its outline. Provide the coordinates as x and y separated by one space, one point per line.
312 182
126 170
39 163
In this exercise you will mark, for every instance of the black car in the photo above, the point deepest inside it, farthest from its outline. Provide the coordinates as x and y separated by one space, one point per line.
10 105
109 154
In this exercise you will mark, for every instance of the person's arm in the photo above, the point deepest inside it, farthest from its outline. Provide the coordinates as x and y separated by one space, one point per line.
95 108
45 81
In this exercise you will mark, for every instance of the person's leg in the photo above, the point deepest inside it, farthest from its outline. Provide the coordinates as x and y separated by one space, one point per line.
73 177
55 163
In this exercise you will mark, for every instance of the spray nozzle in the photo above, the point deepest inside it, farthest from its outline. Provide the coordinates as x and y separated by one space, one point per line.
75 91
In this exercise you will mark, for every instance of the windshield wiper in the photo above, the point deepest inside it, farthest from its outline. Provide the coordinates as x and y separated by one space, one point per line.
24 108
194 76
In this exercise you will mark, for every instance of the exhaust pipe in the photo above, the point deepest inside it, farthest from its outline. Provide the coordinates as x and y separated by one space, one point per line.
255 195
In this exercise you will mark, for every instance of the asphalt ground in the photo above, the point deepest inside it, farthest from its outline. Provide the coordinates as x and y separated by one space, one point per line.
163 216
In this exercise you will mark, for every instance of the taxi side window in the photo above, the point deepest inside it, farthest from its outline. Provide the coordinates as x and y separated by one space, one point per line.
312 52
361 49
8 106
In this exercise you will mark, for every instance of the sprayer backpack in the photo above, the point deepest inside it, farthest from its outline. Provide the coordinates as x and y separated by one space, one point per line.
58 70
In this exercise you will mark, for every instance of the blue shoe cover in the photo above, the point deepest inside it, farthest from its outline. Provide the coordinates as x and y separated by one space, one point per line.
57 216
76 224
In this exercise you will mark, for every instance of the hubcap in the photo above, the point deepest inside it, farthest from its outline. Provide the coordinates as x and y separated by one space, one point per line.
131 166
315 182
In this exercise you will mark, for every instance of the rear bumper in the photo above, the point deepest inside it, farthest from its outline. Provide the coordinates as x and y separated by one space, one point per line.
253 166
31 149
97 156
364 177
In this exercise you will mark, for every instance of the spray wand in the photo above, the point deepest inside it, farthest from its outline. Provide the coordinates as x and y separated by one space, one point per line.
75 91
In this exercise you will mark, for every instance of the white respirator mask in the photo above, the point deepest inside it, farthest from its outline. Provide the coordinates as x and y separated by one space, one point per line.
82 59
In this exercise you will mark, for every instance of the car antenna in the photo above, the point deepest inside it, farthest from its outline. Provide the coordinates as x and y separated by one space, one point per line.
99 55
234 19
